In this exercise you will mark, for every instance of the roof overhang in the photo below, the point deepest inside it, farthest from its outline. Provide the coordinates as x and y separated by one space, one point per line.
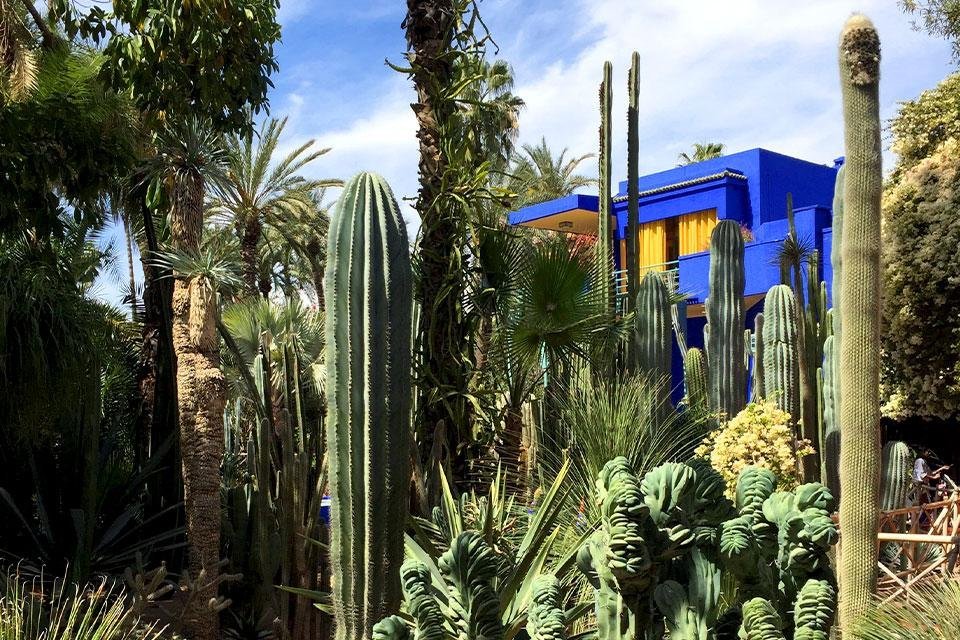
576 213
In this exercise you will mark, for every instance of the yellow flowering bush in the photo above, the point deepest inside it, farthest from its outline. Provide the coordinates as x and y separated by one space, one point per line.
762 436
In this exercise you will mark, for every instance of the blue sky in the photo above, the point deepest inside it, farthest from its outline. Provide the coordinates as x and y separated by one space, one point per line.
749 73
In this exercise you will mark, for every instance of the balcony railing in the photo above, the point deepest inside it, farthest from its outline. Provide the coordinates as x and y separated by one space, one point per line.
669 272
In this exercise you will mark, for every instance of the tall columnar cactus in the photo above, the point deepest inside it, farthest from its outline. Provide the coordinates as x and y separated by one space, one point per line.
652 329
758 390
368 356
897 463
859 370
836 293
831 420
695 380
780 346
633 178
604 245
725 324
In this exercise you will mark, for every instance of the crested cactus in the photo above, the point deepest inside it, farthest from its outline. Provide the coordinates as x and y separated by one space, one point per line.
758 392
368 356
897 464
652 341
761 621
468 605
546 619
695 380
725 323
815 610
781 366
859 371
646 525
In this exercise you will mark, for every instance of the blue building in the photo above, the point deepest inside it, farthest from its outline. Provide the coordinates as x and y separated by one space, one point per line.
680 206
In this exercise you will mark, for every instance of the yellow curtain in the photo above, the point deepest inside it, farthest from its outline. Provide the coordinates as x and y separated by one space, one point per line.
695 229
653 246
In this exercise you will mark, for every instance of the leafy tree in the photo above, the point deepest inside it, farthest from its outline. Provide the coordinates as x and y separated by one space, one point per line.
921 286
701 151
490 110
924 124
538 176
938 18
259 191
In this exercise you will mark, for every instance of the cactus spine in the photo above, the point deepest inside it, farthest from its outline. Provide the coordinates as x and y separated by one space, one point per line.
695 380
780 359
859 371
897 460
724 307
368 356
604 247
633 177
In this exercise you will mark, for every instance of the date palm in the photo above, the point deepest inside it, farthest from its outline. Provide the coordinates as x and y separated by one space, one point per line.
701 151
259 191
538 176
190 157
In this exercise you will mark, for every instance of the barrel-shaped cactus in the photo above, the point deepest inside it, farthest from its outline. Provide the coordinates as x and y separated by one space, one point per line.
368 357
781 375
652 331
897 464
725 323
695 380
859 371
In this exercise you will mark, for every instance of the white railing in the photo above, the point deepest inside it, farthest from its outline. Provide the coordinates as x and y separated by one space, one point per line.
669 272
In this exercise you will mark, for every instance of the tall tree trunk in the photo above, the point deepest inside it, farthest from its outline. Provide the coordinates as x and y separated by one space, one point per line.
201 399
249 243
156 377
430 25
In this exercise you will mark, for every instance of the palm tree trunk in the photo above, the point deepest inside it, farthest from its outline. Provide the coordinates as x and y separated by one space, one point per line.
249 243
429 26
201 398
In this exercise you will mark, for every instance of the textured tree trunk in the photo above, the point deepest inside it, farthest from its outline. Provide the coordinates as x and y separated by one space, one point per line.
249 243
201 400
429 26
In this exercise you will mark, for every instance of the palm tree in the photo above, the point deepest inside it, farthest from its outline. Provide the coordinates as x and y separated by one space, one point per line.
491 110
258 192
537 176
701 151
190 156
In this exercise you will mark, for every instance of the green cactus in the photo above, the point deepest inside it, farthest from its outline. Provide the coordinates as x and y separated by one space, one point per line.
368 358
695 380
859 370
781 365
761 621
646 525
897 464
470 568
546 619
758 392
604 247
392 628
815 610
652 340
421 604
724 331
831 422
633 179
